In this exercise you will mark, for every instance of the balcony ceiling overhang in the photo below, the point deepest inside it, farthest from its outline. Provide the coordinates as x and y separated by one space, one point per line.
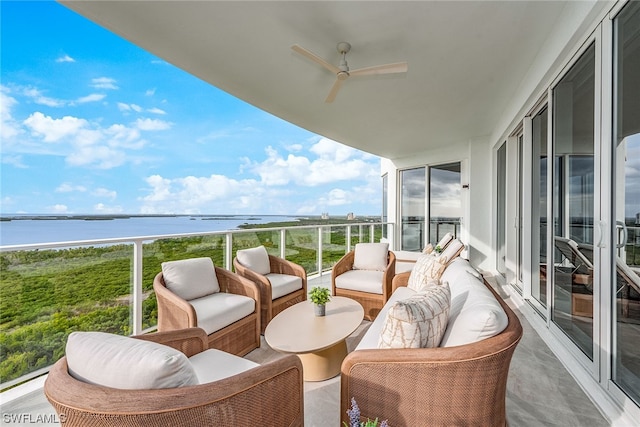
466 60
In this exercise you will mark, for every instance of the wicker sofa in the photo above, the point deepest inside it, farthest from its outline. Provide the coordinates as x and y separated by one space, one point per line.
455 384
271 394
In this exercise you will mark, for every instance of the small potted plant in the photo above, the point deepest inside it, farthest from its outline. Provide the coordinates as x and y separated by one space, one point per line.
320 296
438 249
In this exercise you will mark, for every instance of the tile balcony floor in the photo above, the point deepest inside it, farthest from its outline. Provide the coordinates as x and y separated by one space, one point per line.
540 391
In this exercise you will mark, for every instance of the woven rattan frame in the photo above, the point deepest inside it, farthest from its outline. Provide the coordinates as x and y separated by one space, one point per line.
372 303
451 386
270 307
269 395
238 338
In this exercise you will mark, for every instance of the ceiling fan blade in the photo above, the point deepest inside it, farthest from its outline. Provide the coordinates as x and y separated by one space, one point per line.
334 91
312 56
398 67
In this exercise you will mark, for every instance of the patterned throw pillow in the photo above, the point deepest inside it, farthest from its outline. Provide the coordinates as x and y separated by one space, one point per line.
426 269
419 321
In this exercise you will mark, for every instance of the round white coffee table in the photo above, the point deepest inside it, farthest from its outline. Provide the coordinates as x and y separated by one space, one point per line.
318 341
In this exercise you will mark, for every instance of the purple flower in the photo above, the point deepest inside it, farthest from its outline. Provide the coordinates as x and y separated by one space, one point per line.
354 414
384 424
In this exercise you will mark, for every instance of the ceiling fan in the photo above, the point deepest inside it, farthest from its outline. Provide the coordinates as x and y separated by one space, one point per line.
342 71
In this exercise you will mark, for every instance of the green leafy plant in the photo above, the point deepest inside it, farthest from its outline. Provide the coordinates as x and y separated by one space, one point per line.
319 295
438 249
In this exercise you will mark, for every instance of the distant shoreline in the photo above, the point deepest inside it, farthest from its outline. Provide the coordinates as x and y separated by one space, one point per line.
44 217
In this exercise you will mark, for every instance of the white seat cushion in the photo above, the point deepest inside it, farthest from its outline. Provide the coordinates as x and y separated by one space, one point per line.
213 365
126 363
190 278
418 321
216 311
371 256
283 284
361 280
255 259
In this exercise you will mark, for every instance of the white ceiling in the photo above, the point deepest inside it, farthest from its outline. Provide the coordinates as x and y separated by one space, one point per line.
466 60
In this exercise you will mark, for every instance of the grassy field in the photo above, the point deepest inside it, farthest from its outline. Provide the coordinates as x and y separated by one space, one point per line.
47 294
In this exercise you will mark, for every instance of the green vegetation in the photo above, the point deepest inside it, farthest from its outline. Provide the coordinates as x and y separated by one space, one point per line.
47 294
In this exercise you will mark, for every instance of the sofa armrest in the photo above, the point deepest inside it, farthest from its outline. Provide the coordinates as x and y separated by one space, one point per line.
177 313
189 341
343 265
389 273
236 284
400 280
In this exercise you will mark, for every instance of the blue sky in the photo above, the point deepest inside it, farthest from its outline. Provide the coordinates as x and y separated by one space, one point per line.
91 124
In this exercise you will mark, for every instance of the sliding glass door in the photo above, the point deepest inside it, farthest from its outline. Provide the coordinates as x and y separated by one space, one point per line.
573 202
412 209
626 202
445 203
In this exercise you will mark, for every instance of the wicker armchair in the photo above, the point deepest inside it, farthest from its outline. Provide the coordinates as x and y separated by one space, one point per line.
238 338
446 386
371 302
270 306
268 395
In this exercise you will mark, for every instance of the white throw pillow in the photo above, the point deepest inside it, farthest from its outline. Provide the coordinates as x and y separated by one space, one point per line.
191 278
446 239
452 251
419 321
371 256
255 259
126 363
428 268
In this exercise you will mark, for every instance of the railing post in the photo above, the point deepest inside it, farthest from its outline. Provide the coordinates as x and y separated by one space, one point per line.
228 251
320 251
283 248
371 233
137 287
348 239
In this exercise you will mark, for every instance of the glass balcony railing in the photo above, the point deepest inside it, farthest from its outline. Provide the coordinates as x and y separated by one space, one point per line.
49 290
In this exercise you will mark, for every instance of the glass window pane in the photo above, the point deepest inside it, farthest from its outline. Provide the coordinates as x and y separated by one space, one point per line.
573 203
412 208
626 199
539 211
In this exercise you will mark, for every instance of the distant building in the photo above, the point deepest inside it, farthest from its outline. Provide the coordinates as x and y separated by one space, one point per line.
325 215
350 216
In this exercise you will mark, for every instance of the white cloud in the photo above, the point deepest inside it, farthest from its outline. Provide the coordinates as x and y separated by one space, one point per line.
65 58
53 130
9 129
94 97
104 83
152 124
39 98
59 208
66 187
104 209
103 192
123 107
335 162
150 92
15 161
157 111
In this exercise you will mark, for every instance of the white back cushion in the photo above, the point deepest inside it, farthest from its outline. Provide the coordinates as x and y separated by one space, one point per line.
255 259
126 363
191 278
371 256
418 321
428 269
452 250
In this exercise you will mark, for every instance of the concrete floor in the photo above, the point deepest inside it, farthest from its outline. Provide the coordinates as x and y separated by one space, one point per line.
540 391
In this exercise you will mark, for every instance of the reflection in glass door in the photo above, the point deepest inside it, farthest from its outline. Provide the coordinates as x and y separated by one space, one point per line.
445 203
412 207
626 201
573 202
501 211
539 208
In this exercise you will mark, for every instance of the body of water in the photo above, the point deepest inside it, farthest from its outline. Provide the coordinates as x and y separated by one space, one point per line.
27 230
